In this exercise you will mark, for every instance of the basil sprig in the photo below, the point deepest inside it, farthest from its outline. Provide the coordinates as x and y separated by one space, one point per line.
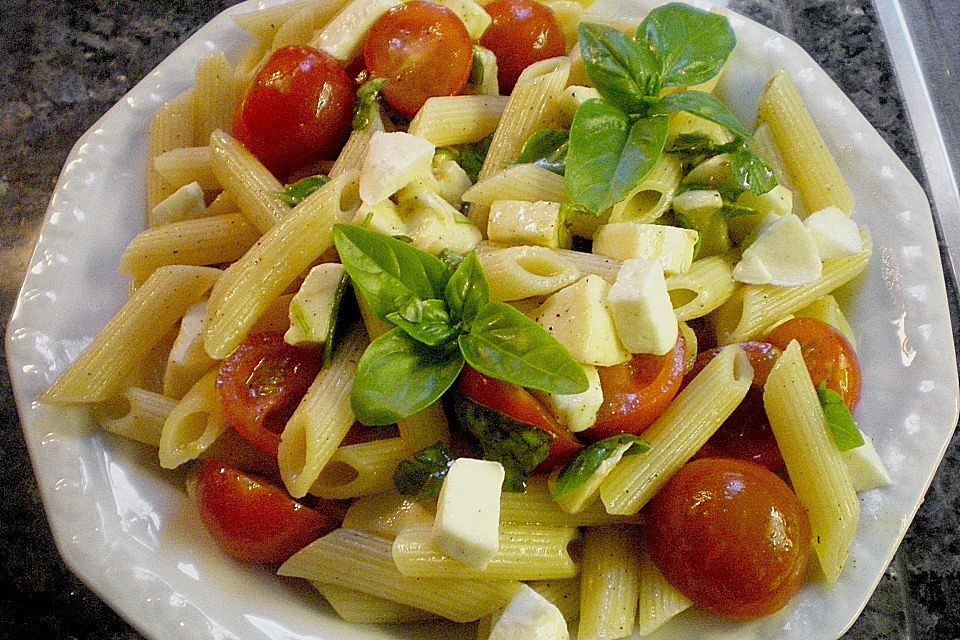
843 429
442 318
294 194
616 141
422 474
547 149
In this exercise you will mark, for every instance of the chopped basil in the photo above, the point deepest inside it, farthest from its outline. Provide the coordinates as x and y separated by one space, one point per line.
422 474
843 429
575 474
368 101
294 194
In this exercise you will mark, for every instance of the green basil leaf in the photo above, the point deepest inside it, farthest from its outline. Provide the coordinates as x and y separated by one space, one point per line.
426 321
704 105
345 311
450 258
421 475
692 143
843 429
517 446
751 173
398 376
367 102
692 44
507 345
468 290
547 149
476 69
608 155
388 272
473 155
623 71
589 460
733 210
294 194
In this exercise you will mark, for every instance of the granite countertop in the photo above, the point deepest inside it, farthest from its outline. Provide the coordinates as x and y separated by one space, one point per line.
65 63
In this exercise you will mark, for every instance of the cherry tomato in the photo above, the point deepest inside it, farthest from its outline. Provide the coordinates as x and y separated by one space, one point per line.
253 520
423 50
299 109
731 536
522 32
827 353
261 383
521 405
746 434
635 393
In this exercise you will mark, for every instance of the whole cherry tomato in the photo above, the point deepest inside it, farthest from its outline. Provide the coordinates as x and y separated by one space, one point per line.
521 405
746 434
254 521
522 32
423 50
261 383
731 536
828 354
636 392
299 109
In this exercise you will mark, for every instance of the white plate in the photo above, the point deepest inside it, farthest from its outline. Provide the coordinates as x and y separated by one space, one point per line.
126 529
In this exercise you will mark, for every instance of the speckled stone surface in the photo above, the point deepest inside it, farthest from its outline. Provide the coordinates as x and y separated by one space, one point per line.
64 64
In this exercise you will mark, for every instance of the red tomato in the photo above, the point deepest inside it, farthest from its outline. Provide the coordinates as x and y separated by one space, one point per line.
253 520
827 353
423 50
635 393
746 434
731 536
299 109
519 404
522 32
261 383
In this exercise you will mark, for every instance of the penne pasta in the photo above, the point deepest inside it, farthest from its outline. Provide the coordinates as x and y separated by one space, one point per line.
184 165
360 469
452 120
193 425
362 608
659 601
703 288
609 583
386 514
514 273
249 183
526 182
135 414
170 129
216 93
536 506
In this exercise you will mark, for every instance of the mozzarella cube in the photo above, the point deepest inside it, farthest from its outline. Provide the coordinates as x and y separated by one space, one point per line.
784 254
577 411
672 247
342 36
641 308
434 224
467 525
578 317
778 200
835 233
514 222
382 217
311 309
867 470
530 616
392 161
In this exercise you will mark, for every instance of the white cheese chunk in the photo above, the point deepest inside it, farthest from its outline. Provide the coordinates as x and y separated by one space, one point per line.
515 222
392 161
784 254
474 17
672 247
434 224
778 200
578 317
467 525
312 306
867 470
343 35
530 616
188 360
835 233
641 308
577 411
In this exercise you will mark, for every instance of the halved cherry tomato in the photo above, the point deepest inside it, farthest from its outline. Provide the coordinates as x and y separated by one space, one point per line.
635 393
254 521
746 434
522 406
423 50
522 32
299 109
731 536
827 353
261 383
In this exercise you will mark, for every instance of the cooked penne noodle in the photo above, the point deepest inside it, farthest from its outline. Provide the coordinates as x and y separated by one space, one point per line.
536 506
514 273
425 428
187 360
526 182
609 583
264 23
563 593
249 183
817 470
181 166
702 289
170 129
194 424
451 120
360 469
590 264
362 608
766 147
300 27
136 414
659 601
186 203
215 94
569 14
386 514
651 198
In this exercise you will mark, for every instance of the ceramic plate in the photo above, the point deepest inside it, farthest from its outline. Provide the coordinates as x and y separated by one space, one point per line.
126 529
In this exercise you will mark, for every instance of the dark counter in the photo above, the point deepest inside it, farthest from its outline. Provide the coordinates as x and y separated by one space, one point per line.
65 63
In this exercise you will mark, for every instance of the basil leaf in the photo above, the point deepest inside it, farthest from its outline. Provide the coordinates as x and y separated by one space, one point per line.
468 291
733 210
388 272
517 446
398 376
692 143
623 71
368 101
751 173
547 149
426 321
421 475
692 44
608 155
507 345
450 258
704 105
294 194
345 311
473 155
476 69
589 460
843 429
